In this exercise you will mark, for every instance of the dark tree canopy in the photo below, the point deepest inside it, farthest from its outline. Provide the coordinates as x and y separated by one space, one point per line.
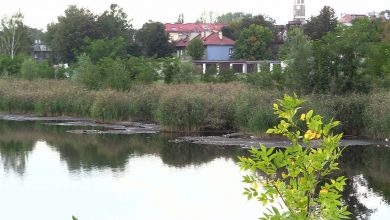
319 25
114 23
154 41
67 37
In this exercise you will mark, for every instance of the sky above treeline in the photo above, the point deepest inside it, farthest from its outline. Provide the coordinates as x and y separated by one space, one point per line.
39 13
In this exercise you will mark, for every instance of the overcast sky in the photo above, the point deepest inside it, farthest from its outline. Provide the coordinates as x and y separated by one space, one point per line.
38 13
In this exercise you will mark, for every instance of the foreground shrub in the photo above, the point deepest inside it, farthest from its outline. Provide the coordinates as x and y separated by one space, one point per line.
298 176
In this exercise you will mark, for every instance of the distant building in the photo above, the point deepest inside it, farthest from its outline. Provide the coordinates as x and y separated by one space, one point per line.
40 52
179 31
347 19
299 10
217 47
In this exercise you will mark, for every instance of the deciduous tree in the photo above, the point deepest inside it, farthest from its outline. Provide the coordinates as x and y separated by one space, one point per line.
196 49
254 43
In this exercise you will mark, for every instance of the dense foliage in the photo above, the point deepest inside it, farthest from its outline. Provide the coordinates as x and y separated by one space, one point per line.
297 181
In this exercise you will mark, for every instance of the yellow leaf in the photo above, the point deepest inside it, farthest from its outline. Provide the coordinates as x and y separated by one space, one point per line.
303 116
284 176
324 190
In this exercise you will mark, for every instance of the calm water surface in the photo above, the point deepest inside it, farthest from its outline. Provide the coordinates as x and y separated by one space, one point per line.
46 173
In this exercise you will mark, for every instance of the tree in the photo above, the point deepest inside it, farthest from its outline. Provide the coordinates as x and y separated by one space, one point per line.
13 34
232 17
196 49
343 54
68 37
254 43
114 47
318 26
154 40
236 26
297 181
114 24
298 51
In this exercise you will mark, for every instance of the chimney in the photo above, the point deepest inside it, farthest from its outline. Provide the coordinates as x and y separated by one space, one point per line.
220 35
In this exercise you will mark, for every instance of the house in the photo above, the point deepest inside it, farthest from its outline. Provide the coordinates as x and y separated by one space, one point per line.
217 47
179 31
40 52
347 19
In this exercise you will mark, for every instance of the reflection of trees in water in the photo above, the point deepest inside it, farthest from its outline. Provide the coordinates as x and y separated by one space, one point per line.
88 152
181 155
365 166
14 155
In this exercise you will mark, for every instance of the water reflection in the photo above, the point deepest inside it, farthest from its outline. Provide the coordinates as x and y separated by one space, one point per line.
367 167
89 152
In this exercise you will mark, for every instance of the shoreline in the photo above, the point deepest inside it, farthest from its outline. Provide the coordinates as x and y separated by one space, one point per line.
243 140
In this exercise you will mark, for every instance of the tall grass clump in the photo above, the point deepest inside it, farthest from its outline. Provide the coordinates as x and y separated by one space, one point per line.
346 108
110 105
376 115
145 101
198 107
253 110
182 111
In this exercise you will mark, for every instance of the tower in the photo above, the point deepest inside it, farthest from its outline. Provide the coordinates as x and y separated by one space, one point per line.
299 10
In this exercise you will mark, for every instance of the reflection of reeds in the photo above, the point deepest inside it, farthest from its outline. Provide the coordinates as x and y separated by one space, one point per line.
106 151
190 107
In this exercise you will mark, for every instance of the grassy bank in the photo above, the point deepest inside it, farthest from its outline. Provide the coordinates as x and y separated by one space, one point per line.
190 107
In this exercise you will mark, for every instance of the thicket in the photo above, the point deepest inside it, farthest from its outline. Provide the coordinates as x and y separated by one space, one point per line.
191 107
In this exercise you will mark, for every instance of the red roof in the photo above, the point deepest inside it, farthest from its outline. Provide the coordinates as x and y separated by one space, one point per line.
192 27
214 39
348 18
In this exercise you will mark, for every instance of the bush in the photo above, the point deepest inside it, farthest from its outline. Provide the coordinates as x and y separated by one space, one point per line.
186 73
87 73
301 174
226 75
29 69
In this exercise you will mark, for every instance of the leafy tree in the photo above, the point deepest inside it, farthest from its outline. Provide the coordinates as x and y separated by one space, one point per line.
114 23
13 35
319 25
254 43
67 37
87 74
196 49
154 41
232 17
114 47
300 175
234 28
298 51
341 55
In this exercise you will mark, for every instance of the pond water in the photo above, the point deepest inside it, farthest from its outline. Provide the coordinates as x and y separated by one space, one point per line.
47 173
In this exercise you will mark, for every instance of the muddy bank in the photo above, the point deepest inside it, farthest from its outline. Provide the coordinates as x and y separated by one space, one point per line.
88 127
247 142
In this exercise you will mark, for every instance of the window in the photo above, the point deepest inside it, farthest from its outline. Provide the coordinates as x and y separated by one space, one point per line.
230 51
